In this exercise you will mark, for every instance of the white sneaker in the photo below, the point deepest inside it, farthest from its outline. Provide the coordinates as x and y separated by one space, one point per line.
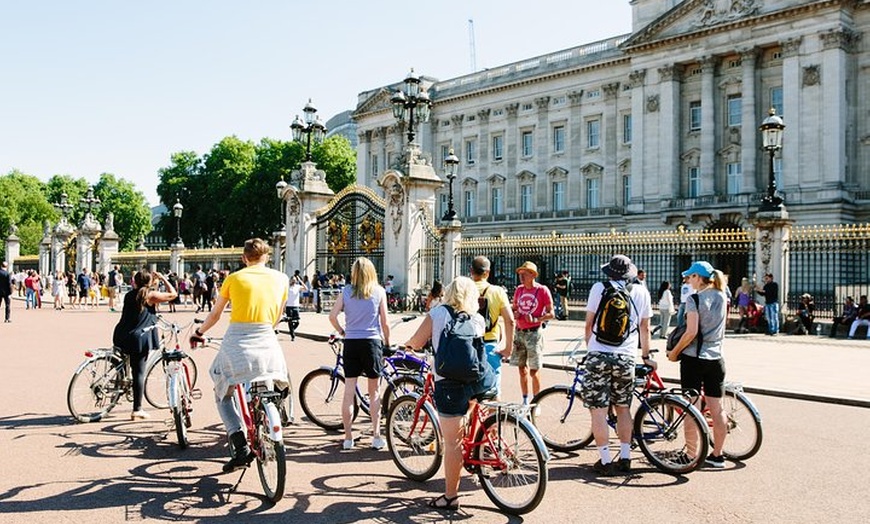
379 443
139 415
347 444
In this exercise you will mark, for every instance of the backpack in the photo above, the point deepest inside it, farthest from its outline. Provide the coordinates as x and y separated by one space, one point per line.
675 335
460 356
483 310
613 318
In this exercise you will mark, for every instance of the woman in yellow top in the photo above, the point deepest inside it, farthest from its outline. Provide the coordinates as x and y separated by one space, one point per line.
250 349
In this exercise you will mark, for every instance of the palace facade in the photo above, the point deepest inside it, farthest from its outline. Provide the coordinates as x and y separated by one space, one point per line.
657 128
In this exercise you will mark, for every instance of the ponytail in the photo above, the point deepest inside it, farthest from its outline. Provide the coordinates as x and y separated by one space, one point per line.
719 280
142 281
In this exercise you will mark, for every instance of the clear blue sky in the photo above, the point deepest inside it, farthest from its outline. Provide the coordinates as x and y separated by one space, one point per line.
118 86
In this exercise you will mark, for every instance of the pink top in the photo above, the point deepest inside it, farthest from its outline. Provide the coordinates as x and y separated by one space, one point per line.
531 303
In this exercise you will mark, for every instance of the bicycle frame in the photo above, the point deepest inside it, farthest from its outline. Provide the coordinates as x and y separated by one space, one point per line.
249 399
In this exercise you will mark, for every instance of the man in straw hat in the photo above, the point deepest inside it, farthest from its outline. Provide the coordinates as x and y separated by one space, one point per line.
532 307
610 369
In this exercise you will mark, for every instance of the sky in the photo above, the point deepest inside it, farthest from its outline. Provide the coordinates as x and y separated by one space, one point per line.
111 86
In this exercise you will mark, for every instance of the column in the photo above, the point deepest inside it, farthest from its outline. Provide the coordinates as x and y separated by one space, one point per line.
109 244
772 233
45 251
175 254
13 246
636 80
708 126
450 259
363 158
484 161
836 46
542 145
791 83
750 119
573 147
667 134
611 185
300 250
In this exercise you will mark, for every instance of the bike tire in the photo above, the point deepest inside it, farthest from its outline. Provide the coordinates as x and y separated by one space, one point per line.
180 426
401 385
561 419
416 449
660 430
271 460
321 401
513 470
286 407
96 388
155 381
745 433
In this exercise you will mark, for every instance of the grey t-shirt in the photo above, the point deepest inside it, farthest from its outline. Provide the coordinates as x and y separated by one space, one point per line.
711 311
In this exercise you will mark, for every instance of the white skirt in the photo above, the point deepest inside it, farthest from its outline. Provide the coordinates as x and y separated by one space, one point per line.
249 352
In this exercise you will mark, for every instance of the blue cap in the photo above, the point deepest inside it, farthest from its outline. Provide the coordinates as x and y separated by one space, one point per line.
701 268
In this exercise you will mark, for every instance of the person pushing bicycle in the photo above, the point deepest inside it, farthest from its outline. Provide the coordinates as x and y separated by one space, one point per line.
250 350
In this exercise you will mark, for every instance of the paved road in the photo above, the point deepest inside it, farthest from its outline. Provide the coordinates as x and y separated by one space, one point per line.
57 471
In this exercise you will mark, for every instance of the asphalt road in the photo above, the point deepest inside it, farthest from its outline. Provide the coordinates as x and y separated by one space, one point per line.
54 470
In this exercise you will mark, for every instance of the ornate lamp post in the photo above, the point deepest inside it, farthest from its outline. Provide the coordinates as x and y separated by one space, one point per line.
177 211
281 188
308 127
771 133
89 200
412 102
450 163
64 206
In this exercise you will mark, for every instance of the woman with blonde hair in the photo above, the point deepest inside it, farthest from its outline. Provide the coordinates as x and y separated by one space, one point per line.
365 334
702 366
452 399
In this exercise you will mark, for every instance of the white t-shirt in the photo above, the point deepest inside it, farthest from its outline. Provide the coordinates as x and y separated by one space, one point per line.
685 291
640 309
293 293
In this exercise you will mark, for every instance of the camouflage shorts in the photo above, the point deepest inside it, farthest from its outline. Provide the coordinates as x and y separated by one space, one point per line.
609 380
528 347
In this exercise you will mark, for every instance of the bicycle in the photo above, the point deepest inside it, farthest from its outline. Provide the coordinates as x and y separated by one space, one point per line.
499 445
155 377
321 390
658 429
745 432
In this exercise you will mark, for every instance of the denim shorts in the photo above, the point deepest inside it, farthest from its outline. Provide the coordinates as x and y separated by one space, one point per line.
453 398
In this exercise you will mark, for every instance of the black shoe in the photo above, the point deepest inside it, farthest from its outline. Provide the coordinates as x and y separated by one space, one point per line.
604 470
715 462
240 452
623 465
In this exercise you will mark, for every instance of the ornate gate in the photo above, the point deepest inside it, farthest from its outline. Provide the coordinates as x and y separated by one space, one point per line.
351 226
430 256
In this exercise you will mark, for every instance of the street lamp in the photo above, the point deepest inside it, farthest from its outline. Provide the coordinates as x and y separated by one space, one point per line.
64 206
414 101
450 163
771 133
281 188
89 200
177 210
312 125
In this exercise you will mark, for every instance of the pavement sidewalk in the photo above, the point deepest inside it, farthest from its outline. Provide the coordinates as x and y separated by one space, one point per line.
803 367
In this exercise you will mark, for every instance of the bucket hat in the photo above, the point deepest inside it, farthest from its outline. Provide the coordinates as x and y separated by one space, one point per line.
620 268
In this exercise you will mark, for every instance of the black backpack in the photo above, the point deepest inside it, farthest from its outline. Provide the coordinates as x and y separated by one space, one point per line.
460 356
483 309
613 318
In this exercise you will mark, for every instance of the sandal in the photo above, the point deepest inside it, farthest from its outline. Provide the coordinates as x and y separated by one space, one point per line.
442 502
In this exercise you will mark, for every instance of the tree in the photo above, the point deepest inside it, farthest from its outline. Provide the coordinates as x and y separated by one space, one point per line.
23 203
336 156
131 211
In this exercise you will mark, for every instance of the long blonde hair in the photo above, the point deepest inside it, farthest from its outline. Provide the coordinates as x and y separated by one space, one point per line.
718 280
462 295
363 278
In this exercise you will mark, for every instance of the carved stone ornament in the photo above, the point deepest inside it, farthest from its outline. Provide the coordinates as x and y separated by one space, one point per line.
637 77
812 76
457 119
337 236
13 230
766 250
294 210
714 12
610 90
542 102
512 109
652 104
396 203
110 222
840 39
483 115
576 96
90 224
669 73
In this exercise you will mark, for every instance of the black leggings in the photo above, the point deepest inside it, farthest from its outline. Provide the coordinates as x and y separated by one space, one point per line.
138 365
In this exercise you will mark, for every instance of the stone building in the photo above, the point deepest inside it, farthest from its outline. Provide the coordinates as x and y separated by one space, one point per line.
656 128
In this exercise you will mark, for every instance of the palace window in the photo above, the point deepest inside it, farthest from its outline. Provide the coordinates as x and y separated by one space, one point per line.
442 204
592 193
776 100
558 196
593 134
497 147
559 139
528 143
626 129
374 166
695 115
526 198
694 182
469 203
735 174
626 189
497 201
735 110
470 151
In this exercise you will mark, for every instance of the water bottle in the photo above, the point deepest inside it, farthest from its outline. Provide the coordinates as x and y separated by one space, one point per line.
818 330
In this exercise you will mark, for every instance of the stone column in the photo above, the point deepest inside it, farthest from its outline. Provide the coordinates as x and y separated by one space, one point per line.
574 146
13 246
836 47
610 185
85 242
176 252
791 85
484 159
452 231
312 193
637 79
109 246
708 126
363 158
45 250
772 233
751 117
667 133
541 146
277 241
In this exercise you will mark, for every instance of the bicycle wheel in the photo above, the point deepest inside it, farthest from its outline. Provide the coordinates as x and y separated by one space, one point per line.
96 388
513 468
671 434
402 385
286 407
414 438
155 381
561 418
180 413
271 460
744 426
320 396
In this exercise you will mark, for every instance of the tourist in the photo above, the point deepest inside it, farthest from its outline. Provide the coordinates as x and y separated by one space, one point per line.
435 297
6 285
666 308
744 298
57 288
291 307
863 318
850 313
770 291
498 305
532 307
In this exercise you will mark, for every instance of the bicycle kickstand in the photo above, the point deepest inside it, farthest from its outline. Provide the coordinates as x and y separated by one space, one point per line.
236 485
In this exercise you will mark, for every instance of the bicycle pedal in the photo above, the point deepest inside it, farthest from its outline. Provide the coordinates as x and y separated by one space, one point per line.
195 394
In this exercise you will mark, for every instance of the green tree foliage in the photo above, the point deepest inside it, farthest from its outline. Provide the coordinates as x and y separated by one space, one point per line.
131 210
336 156
23 203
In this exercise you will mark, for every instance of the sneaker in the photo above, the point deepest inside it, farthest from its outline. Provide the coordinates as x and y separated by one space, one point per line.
681 458
605 470
347 444
716 462
379 443
139 415
623 465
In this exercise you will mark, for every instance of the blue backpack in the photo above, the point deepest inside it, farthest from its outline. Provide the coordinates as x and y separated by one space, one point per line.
460 356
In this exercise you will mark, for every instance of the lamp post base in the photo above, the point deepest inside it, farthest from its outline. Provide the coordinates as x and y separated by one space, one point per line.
771 203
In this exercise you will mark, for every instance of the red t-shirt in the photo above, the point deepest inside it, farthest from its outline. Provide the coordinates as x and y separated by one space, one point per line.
532 302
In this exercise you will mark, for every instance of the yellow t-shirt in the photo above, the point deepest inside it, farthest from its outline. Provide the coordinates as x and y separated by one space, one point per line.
497 297
257 294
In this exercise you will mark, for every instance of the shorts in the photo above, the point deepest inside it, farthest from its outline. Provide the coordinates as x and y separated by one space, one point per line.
363 357
609 380
494 359
528 347
453 398
697 372
112 292
83 293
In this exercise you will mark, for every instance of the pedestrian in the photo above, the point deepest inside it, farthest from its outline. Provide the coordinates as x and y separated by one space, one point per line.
806 313
113 284
452 399
666 308
316 287
850 313
702 366
563 287
610 365
494 302
199 288
29 291
6 286
863 318
435 297
365 334
744 298
641 278
135 332
71 289
57 288
532 307
291 307
770 292
685 292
